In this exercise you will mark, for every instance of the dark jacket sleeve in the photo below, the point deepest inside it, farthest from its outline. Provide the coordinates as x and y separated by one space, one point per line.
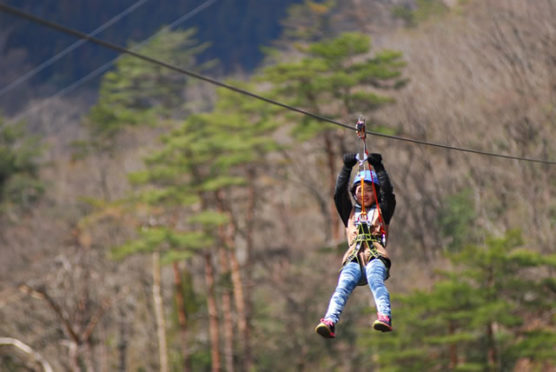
387 198
341 195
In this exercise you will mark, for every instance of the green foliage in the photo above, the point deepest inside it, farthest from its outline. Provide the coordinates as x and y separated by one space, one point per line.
152 239
208 154
369 99
424 10
209 219
307 129
139 92
335 77
457 220
335 51
537 345
309 21
492 285
220 182
20 186
171 196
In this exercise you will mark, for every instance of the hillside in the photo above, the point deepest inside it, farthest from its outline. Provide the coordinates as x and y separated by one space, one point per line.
158 223
235 31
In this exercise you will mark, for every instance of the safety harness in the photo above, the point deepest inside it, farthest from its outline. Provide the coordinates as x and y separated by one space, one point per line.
364 234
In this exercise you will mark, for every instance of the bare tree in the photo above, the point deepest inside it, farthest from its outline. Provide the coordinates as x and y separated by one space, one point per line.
33 357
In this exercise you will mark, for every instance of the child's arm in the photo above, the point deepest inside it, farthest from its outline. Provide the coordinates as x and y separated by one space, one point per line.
387 198
341 192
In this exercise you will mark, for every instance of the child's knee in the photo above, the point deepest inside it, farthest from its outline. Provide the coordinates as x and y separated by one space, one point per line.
375 280
343 291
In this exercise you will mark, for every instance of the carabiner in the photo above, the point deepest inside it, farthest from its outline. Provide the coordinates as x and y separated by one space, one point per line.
360 128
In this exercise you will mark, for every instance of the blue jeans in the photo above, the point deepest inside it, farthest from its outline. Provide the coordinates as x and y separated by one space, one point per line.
376 273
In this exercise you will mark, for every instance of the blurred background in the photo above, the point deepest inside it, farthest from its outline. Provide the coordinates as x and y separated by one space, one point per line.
154 221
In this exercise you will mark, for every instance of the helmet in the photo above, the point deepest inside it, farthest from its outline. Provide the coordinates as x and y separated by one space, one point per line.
368 177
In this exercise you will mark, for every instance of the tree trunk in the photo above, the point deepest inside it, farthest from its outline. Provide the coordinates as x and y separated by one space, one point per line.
492 352
159 314
239 294
453 347
240 307
88 356
73 356
213 314
228 238
227 311
250 222
182 316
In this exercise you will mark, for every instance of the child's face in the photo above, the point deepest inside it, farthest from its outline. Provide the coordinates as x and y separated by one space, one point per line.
367 192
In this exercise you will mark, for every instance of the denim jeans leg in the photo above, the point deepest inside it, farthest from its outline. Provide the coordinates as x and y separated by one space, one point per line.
349 276
376 274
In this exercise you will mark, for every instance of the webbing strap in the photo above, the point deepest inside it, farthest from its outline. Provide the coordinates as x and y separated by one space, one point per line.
365 236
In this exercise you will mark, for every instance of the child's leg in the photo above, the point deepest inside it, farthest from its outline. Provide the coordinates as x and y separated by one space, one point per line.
376 274
349 277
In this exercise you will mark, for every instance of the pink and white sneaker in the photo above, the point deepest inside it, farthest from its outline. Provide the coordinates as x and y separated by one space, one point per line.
325 328
383 323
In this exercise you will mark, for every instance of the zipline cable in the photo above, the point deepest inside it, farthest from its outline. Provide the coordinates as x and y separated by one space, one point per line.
108 64
61 28
72 47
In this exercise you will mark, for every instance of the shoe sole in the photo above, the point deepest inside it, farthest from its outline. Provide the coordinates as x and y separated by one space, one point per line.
324 331
383 327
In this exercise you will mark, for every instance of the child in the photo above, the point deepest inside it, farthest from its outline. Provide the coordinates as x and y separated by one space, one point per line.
366 260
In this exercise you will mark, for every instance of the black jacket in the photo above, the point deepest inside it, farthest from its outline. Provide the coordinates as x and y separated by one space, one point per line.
386 197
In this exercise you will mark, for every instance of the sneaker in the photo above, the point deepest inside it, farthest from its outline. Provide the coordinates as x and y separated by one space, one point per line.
325 328
383 323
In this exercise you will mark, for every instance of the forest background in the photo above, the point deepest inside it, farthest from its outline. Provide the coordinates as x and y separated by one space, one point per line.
154 222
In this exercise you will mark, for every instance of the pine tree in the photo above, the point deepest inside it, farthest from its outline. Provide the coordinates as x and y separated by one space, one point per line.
190 186
457 221
20 186
138 93
487 314
337 79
